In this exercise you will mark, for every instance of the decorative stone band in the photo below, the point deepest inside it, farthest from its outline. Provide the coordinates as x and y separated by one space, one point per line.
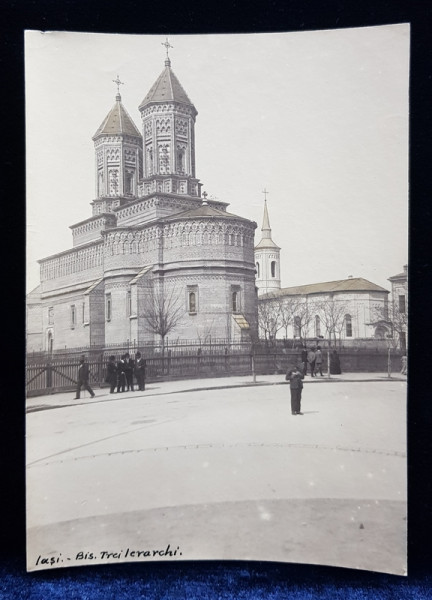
72 261
181 234
182 109
92 224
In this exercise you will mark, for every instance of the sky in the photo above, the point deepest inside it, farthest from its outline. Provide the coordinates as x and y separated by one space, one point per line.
317 118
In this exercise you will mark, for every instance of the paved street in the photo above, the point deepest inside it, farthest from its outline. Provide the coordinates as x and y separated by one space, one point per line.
221 469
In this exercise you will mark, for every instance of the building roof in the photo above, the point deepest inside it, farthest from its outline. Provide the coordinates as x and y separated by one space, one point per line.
205 210
352 284
167 88
117 122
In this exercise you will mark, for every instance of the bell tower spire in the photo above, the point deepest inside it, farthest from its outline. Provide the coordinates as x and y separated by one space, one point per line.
118 149
168 125
267 257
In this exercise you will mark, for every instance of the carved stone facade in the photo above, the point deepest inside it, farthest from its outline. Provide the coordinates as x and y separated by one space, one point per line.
150 230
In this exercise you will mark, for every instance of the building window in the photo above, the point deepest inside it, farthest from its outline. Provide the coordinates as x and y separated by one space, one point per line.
108 307
192 302
73 315
273 268
235 302
348 326
402 307
257 269
297 326
317 326
83 312
128 304
192 299
50 315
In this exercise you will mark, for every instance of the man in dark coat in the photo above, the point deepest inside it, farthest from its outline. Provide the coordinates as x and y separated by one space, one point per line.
111 373
121 378
140 371
129 372
83 377
294 376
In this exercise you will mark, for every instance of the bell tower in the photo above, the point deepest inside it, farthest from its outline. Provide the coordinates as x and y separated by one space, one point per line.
267 258
118 150
168 125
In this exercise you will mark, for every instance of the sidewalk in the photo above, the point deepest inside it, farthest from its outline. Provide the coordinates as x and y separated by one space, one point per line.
158 388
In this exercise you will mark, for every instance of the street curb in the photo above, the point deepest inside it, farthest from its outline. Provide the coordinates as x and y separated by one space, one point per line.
263 383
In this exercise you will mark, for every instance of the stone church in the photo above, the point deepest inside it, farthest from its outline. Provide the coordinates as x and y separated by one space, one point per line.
153 246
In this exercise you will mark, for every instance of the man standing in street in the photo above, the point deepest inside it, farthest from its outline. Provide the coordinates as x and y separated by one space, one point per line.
311 361
318 361
83 377
140 368
129 372
294 376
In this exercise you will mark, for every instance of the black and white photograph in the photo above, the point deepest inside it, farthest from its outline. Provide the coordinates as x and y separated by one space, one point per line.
217 297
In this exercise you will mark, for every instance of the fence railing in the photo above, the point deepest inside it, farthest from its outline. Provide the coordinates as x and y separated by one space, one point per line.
59 374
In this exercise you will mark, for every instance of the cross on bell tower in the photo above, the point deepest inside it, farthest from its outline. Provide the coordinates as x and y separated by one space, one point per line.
167 46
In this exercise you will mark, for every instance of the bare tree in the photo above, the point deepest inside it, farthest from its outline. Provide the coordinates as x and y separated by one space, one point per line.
394 321
333 312
163 311
269 317
304 314
287 309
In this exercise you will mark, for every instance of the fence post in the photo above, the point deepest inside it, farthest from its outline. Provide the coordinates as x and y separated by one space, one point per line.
48 375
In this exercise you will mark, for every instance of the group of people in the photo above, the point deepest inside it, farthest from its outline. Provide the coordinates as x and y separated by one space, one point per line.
121 374
313 359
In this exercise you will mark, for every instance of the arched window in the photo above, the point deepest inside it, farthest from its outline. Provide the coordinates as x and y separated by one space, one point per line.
297 326
50 342
180 161
273 268
108 307
192 302
348 326
73 316
235 301
257 269
317 326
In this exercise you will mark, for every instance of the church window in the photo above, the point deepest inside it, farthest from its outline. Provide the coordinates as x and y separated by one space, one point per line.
73 315
273 268
402 306
317 326
180 161
108 307
50 315
348 326
257 269
83 312
129 304
297 326
235 301
192 302
129 183
192 299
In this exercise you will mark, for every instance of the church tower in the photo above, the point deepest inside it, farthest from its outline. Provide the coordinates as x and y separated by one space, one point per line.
168 125
267 259
118 149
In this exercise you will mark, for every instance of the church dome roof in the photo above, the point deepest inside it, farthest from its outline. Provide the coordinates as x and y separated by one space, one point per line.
118 122
167 88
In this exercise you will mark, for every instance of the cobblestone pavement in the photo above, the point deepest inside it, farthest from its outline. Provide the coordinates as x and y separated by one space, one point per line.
221 469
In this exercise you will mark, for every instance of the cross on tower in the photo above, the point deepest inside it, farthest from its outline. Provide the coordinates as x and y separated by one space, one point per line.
265 192
118 83
167 45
